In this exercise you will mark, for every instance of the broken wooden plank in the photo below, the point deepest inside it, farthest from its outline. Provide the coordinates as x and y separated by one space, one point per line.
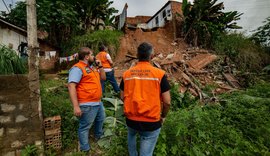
130 56
166 62
198 90
172 58
201 60
156 64
202 51
196 71
231 80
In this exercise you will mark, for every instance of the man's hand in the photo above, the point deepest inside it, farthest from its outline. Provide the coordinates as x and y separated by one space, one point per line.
162 120
77 111
98 63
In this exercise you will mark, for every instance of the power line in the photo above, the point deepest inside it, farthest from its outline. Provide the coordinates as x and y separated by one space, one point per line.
5 5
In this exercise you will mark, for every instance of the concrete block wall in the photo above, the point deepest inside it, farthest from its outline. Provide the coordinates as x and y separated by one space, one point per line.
20 124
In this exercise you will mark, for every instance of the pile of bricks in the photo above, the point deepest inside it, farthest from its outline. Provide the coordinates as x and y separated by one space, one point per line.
52 126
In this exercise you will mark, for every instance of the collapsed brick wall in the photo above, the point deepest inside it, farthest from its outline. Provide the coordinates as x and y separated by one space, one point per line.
162 39
20 124
138 19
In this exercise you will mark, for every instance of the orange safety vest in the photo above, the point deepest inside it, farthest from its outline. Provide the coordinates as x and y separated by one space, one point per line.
142 93
102 57
89 88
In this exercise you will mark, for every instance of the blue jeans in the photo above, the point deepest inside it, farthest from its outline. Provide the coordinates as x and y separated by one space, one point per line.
110 77
148 140
90 115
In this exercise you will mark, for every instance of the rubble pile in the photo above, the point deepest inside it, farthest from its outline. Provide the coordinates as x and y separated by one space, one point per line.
194 69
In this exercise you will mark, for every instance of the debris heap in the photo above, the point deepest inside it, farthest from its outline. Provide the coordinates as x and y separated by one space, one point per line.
194 69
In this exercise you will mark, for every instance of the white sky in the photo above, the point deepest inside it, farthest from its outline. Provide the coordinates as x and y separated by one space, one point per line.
255 11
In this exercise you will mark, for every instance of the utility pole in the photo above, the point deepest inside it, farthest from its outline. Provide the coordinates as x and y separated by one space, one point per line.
33 62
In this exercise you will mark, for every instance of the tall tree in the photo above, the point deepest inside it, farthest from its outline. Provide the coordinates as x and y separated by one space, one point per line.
204 20
262 34
63 19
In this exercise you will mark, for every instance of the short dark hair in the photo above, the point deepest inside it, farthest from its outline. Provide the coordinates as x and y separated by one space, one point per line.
83 52
144 51
102 47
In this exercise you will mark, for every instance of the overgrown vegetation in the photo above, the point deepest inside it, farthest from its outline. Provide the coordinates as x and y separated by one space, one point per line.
10 62
242 51
55 101
93 40
239 124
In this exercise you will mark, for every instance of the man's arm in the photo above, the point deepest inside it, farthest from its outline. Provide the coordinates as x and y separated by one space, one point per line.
73 96
166 98
109 59
102 74
101 70
111 62
122 90
122 95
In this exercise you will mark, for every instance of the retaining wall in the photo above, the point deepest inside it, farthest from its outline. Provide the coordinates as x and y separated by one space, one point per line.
20 122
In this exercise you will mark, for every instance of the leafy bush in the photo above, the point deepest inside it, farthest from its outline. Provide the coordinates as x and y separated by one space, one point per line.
242 51
30 150
179 100
10 62
93 40
118 144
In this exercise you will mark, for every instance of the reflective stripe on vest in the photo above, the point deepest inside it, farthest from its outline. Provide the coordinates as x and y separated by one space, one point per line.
142 78
142 92
89 88
102 57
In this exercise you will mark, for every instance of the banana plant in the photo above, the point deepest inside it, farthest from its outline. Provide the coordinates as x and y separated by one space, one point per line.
205 20
115 107
10 62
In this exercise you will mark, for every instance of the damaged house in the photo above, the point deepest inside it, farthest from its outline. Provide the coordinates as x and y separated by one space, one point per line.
192 67
164 17
15 38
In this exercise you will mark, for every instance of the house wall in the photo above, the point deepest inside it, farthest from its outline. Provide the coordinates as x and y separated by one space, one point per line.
161 20
137 20
20 121
122 18
11 38
176 8
46 60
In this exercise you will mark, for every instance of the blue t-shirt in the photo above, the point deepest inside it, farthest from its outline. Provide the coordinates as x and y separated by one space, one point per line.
75 75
